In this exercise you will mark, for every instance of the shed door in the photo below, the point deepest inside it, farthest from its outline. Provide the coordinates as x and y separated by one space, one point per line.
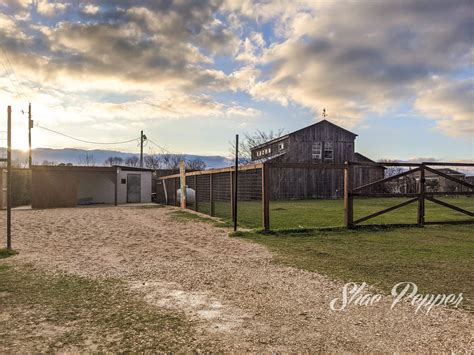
133 188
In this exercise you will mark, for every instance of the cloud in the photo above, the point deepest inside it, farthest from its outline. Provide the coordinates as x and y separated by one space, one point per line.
451 104
358 58
352 58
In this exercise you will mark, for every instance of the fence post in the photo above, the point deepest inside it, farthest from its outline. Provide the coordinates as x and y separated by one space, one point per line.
421 197
211 194
9 178
232 195
236 191
265 198
182 172
195 193
348 198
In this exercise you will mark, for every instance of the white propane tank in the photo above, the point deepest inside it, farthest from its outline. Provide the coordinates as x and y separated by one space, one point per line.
190 195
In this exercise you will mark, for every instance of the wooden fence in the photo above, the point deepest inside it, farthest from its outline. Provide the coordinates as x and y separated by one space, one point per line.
261 182
420 195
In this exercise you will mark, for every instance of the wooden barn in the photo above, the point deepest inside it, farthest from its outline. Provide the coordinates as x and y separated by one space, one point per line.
322 142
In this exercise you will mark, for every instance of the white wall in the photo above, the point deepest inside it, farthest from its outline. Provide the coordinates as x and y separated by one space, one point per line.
145 185
99 186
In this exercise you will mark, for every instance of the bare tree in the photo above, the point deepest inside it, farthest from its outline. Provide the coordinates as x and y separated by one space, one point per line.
111 161
392 170
195 164
251 140
152 161
87 160
132 161
48 163
171 161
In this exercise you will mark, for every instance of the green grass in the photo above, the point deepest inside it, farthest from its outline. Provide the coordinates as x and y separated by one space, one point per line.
438 259
49 313
330 213
5 253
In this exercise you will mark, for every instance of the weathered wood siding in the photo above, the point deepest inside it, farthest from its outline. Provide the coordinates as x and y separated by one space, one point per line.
274 147
290 183
301 143
51 189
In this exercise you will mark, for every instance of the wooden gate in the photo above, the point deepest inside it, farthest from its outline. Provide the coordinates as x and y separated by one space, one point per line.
420 195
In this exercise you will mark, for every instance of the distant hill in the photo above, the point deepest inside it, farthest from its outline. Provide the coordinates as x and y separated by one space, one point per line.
72 155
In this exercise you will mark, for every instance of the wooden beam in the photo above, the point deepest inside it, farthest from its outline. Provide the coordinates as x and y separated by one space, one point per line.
468 221
236 180
215 171
408 172
381 194
265 197
182 173
449 193
363 219
9 177
447 164
449 177
448 205
348 199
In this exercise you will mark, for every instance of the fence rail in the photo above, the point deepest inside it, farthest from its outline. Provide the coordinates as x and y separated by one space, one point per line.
261 185
420 196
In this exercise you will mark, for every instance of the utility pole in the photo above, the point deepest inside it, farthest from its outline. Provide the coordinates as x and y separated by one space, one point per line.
142 139
30 126
9 178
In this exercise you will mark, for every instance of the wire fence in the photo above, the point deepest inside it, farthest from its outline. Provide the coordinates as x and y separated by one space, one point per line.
287 196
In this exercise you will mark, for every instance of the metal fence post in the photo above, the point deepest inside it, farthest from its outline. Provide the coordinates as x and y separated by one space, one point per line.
421 197
265 198
348 198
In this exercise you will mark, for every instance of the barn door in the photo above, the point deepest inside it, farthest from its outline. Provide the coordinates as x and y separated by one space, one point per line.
133 188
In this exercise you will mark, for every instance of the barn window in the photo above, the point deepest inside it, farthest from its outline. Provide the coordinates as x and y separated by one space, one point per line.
281 146
316 150
328 151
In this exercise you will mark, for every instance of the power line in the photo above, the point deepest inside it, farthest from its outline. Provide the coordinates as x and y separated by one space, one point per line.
159 146
83 140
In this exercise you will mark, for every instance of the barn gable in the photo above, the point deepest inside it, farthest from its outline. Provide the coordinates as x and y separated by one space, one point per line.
323 141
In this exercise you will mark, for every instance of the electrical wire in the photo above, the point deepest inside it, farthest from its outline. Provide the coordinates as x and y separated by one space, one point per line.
159 146
82 140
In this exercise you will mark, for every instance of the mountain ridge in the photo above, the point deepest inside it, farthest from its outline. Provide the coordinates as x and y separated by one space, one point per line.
75 155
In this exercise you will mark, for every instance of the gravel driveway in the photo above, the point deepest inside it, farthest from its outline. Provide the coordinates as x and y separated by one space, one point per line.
230 288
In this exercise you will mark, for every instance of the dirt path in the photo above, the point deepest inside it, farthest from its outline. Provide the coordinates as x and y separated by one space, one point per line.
239 298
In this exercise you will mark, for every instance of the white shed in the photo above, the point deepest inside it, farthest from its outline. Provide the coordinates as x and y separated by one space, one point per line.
69 186
133 184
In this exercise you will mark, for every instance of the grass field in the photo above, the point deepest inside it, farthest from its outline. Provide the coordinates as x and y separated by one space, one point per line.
330 213
438 259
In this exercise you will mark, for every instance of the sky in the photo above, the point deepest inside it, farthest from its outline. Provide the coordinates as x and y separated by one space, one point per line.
192 74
